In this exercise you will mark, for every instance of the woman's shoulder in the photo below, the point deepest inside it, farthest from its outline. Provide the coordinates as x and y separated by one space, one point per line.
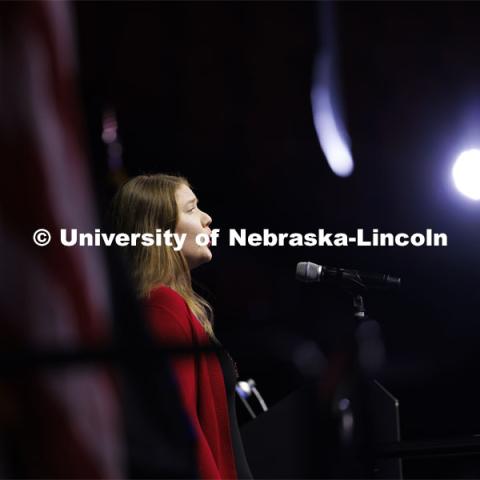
167 310
164 296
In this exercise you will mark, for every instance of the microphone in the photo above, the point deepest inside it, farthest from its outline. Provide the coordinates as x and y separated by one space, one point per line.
245 390
311 272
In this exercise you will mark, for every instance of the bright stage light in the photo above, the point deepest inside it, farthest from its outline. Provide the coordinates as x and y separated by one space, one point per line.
466 173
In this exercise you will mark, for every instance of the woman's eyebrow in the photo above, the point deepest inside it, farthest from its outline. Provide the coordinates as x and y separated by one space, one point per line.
193 200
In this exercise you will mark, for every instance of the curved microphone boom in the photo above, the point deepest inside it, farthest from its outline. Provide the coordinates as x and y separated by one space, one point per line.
311 272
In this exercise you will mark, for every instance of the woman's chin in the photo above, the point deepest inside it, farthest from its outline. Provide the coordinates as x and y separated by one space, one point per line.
208 255
205 257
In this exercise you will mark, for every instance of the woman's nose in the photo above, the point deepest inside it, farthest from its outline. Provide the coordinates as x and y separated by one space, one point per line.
207 219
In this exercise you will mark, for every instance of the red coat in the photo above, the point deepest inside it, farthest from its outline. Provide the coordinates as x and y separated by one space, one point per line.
200 381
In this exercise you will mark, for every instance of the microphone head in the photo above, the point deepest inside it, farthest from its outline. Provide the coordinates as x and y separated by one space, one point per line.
393 282
308 272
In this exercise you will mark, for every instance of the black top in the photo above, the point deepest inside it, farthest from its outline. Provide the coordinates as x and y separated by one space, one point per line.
230 379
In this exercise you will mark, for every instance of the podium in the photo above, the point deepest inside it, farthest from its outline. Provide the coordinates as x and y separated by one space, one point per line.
292 439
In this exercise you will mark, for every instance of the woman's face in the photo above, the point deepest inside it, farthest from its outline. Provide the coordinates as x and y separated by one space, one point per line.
192 221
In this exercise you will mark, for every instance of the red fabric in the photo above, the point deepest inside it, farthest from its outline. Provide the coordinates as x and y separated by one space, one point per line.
67 422
200 379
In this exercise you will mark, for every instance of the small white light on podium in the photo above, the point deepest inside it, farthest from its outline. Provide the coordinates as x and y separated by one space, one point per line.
466 173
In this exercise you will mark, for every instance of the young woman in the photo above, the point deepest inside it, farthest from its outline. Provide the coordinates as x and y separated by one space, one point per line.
178 316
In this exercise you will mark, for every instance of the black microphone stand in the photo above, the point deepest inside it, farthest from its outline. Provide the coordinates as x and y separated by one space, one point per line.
351 398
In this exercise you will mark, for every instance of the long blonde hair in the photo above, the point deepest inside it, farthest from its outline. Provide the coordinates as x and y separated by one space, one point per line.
142 205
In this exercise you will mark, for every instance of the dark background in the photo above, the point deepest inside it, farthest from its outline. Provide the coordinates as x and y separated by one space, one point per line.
220 92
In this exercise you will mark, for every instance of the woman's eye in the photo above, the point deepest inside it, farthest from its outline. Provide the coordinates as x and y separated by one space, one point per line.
192 209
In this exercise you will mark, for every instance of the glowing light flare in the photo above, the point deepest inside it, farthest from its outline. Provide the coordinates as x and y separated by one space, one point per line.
333 142
466 173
